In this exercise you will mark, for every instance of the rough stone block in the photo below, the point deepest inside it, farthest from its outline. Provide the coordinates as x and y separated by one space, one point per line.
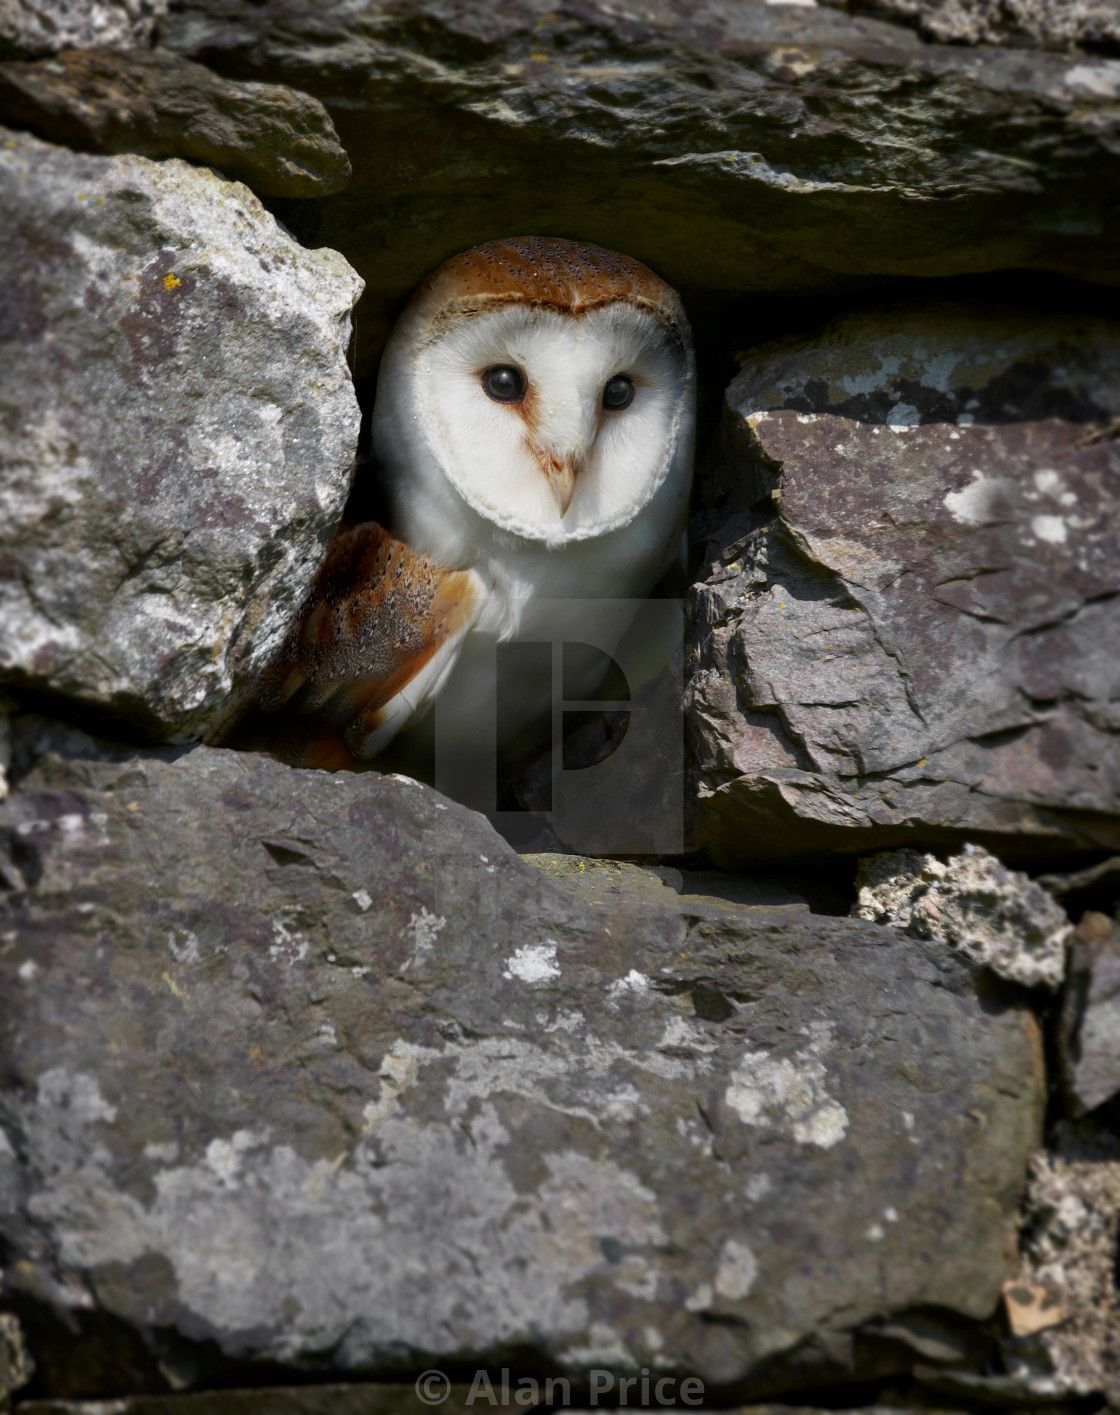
908 627
276 141
177 427
1071 1229
738 149
994 915
1052 24
314 1070
30 28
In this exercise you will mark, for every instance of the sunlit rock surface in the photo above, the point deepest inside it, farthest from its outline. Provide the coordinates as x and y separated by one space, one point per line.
177 426
314 1069
995 916
737 148
1074 25
31 28
277 141
907 627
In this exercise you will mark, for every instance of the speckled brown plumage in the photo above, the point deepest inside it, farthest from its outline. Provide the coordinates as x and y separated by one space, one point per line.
375 615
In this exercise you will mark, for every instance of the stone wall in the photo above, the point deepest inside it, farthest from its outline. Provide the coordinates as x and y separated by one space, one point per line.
311 1082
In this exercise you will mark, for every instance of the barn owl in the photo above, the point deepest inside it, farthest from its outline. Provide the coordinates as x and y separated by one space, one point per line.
534 425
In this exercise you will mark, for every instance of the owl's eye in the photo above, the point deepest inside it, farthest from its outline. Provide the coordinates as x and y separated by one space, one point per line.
619 392
504 383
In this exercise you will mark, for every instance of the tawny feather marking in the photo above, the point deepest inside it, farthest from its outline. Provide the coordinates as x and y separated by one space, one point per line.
375 615
570 276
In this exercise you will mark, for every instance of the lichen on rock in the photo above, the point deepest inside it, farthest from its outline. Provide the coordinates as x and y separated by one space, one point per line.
30 28
995 916
1051 24
436 1110
907 627
1070 1236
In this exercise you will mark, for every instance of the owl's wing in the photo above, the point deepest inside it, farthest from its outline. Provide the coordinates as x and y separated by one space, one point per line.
379 630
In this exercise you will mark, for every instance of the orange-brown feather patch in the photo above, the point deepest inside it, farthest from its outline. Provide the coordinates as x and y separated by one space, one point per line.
375 615
326 754
569 276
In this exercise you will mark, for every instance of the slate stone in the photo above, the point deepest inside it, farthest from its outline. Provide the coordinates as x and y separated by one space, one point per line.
177 428
613 886
907 629
312 1073
738 148
32 28
277 141
1089 1027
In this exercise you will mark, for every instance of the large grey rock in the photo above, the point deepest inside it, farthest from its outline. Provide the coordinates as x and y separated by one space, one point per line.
30 28
314 1070
1054 24
908 627
177 425
736 147
277 141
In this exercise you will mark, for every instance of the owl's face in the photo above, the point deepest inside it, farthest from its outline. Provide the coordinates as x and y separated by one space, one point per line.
552 394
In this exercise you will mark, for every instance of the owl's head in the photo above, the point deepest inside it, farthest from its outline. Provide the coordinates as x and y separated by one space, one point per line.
548 384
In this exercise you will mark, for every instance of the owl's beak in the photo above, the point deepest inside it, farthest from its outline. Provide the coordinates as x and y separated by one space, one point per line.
562 479
562 456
